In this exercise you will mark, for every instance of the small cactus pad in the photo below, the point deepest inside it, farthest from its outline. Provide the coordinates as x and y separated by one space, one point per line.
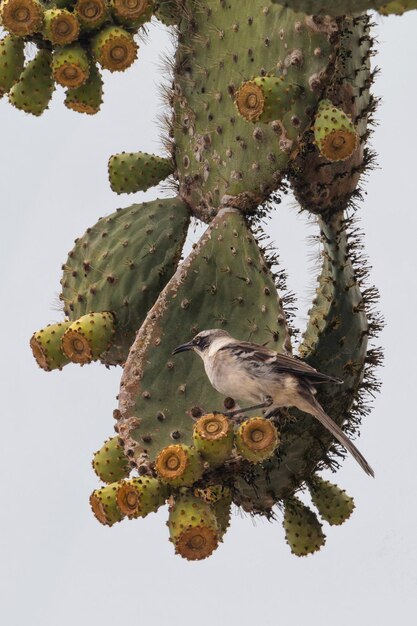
122 263
110 463
89 97
302 528
34 89
179 465
88 337
333 504
193 528
398 7
70 66
47 347
60 26
130 12
257 439
339 7
334 132
222 507
12 59
114 48
21 17
104 505
91 13
213 437
138 497
137 171
266 98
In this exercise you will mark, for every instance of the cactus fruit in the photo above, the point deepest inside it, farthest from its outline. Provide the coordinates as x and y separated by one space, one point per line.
303 531
60 26
266 98
213 438
89 97
130 12
114 48
193 528
140 496
70 66
91 13
47 347
333 504
179 465
21 17
137 171
104 505
110 463
12 59
34 89
335 135
88 337
257 439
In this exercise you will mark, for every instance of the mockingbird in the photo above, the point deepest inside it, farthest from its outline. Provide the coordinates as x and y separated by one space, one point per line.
252 373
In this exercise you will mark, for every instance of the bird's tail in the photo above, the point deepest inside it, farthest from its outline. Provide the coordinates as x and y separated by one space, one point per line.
318 412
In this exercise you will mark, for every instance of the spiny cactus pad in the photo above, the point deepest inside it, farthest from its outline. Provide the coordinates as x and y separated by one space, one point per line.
34 89
333 504
11 62
302 529
343 7
137 171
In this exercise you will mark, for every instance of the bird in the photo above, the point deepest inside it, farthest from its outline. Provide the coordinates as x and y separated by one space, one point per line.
253 373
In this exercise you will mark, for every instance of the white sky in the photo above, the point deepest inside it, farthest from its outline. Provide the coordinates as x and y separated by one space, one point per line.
58 566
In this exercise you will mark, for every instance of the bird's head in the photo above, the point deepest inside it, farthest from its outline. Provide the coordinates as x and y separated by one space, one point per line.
203 341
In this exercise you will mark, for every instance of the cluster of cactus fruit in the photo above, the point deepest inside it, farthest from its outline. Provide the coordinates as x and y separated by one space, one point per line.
263 94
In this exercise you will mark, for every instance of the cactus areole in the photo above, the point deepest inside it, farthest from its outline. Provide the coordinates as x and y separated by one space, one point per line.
263 94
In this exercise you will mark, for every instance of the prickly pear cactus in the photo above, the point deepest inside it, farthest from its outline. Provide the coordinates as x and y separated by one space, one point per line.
262 93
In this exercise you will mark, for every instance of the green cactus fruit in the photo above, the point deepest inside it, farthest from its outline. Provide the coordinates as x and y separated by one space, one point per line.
114 48
179 465
21 17
333 504
70 66
34 89
257 439
46 346
91 13
132 13
121 264
167 12
12 59
336 7
88 337
266 98
303 530
334 132
60 26
137 171
224 283
109 463
89 97
193 528
213 438
138 497
104 505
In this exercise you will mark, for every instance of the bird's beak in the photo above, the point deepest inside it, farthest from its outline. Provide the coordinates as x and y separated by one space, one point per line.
184 347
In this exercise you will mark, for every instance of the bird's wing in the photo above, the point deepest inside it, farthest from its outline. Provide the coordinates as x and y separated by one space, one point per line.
259 355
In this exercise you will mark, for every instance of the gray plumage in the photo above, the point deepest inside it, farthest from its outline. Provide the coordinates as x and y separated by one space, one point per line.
255 374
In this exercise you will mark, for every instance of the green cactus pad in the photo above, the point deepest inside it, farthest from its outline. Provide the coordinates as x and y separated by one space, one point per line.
88 337
167 12
21 17
104 506
109 463
122 263
132 13
213 437
179 465
114 48
60 26
91 13
303 531
35 86
138 497
224 283
70 66
12 59
257 439
222 507
334 132
89 97
266 98
333 504
336 7
137 171
398 7
193 528
47 348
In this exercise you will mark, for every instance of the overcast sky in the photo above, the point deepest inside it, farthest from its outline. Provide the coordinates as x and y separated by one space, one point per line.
58 566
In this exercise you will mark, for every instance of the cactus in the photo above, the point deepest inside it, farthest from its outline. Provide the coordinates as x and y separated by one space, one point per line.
109 463
138 171
140 496
34 89
88 97
11 62
343 7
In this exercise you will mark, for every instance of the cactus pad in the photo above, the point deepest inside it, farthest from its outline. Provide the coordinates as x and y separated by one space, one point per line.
109 463
138 171
11 62
34 89
333 504
89 97
302 529
335 135
70 66
114 48
60 26
88 337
